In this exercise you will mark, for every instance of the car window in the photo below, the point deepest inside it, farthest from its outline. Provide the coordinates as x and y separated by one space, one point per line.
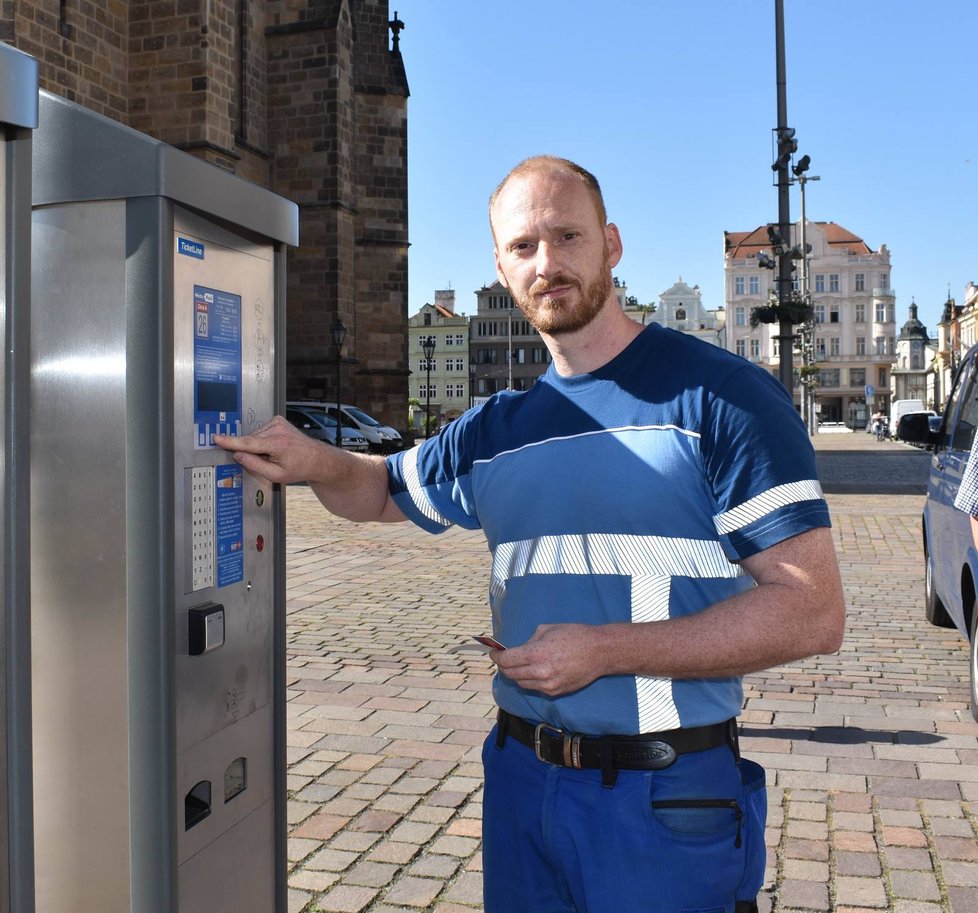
312 417
362 417
963 433
962 384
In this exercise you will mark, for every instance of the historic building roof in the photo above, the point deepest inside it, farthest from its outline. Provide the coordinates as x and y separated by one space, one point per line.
748 243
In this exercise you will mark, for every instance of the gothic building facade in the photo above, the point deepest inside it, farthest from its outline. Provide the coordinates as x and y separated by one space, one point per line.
305 97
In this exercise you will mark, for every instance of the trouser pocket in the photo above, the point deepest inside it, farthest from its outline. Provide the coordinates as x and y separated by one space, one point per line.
700 816
755 818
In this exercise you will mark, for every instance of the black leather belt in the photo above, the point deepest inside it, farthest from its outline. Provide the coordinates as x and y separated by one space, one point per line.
648 751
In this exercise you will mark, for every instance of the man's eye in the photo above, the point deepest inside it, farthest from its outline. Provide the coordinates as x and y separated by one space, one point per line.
522 246
569 235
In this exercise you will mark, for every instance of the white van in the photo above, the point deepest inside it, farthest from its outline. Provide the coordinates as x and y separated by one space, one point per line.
381 438
900 407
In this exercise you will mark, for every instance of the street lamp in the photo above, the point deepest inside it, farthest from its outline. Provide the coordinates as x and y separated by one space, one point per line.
338 332
808 329
428 347
471 382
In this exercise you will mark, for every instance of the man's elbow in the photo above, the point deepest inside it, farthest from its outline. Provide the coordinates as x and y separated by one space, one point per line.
828 635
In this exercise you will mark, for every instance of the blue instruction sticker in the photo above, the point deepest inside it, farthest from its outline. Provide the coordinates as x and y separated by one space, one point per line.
217 365
190 248
229 523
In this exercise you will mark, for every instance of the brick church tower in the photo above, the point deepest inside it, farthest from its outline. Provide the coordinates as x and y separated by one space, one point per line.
305 97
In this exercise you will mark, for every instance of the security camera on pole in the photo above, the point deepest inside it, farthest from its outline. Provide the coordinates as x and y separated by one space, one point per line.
808 371
787 308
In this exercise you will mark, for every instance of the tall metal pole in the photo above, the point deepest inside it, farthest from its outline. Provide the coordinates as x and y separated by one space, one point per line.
339 412
806 385
427 405
785 328
509 351
808 330
338 332
428 345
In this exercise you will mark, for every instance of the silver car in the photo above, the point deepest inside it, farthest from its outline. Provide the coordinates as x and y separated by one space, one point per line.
318 425
380 438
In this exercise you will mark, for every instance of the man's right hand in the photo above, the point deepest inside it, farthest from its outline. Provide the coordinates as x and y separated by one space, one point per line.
279 452
350 485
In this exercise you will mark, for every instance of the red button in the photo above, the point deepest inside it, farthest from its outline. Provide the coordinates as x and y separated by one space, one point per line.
260 543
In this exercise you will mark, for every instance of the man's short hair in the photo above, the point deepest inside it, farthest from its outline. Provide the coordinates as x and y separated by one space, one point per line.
553 163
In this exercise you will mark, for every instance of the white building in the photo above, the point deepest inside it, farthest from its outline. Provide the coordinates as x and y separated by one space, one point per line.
855 315
445 388
681 308
915 352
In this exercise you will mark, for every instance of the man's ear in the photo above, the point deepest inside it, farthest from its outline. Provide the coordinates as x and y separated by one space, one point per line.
499 269
612 240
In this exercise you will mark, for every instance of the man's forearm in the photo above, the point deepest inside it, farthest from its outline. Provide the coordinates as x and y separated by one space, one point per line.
796 610
355 487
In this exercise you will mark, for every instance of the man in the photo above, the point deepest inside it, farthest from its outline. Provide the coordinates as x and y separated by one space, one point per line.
657 531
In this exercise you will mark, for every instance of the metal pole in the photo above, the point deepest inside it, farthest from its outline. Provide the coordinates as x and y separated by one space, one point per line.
808 330
339 399
509 350
806 385
785 329
427 390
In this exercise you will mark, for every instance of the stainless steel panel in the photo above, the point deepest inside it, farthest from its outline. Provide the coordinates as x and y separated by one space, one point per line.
209 760
121 163
18 88
18 112
219 688
235 874
78 565
223 699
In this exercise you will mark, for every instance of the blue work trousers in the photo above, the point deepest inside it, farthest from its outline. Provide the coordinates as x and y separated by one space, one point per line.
685 839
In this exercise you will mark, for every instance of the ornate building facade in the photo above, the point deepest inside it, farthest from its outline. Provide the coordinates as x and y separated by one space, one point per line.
915 352
681 308
854 323
305 97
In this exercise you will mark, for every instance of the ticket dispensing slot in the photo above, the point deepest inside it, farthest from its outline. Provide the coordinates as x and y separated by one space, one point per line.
197 804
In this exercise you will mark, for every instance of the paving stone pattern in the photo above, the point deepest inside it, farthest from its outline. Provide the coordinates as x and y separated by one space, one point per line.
871 754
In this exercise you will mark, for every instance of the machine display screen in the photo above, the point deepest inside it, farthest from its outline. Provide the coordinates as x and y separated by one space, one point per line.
217 365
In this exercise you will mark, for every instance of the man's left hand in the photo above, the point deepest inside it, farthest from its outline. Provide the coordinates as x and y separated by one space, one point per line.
557 659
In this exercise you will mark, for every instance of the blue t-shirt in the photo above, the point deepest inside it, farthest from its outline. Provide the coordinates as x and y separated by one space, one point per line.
624 495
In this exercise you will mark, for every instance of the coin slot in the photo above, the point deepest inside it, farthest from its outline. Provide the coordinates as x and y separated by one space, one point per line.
235 778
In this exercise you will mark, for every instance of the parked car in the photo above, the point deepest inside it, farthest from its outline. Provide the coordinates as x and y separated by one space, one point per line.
950 559
380 438
320 426
907 420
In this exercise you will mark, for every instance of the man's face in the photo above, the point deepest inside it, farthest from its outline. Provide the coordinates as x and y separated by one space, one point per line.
552 252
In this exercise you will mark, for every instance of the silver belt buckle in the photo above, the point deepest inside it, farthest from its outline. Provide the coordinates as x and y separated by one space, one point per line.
570 746
536 740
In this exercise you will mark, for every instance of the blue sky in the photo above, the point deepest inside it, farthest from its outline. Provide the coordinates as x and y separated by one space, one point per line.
671 105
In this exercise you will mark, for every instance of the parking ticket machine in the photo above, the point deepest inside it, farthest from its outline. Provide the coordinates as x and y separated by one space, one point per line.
157 563
18 117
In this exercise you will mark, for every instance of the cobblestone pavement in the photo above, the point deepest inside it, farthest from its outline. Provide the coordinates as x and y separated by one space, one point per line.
872 754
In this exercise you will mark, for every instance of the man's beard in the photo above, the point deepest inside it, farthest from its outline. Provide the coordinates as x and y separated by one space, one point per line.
555 316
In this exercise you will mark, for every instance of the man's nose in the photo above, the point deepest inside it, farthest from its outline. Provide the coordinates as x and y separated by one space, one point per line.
546 261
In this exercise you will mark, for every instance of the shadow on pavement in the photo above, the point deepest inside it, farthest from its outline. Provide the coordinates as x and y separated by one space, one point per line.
874 472
843 735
